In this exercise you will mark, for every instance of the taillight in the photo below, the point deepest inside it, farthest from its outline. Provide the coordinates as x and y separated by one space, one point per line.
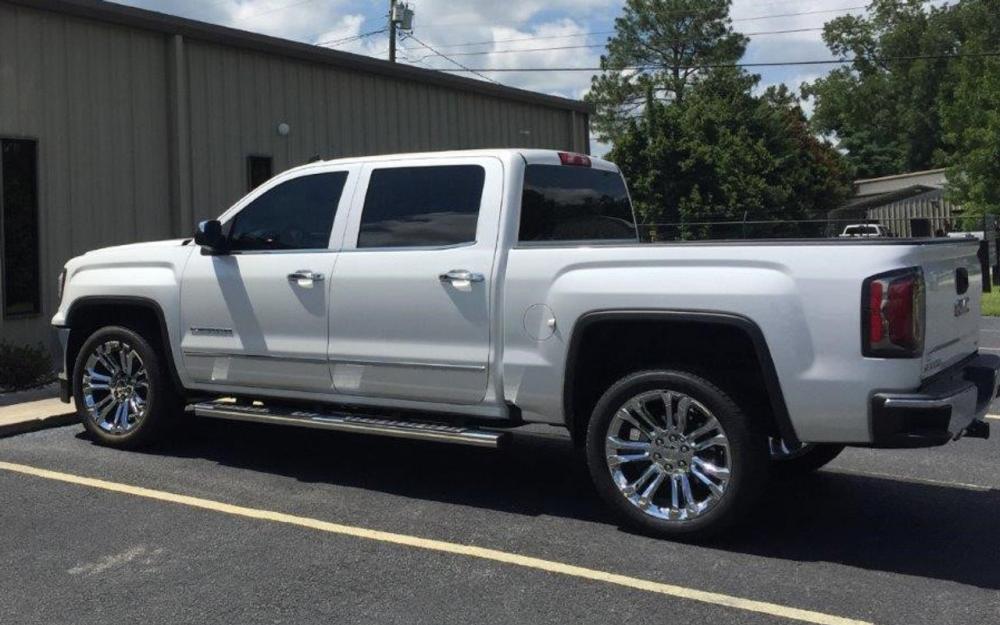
573 159
892 315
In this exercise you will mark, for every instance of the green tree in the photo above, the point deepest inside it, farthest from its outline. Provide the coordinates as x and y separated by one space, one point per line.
882 107
971 116
725 155
658 52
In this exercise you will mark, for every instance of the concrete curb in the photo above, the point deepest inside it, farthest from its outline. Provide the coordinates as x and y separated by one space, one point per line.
35 415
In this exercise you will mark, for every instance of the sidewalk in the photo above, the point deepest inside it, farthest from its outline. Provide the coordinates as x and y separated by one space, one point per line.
35 415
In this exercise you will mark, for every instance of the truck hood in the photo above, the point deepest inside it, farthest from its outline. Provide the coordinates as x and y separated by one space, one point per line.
139 247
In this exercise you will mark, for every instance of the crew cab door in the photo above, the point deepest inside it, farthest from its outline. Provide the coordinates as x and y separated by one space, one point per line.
411 295
256 316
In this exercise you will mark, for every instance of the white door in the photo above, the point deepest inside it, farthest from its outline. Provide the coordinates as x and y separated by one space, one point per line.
258 315
411 294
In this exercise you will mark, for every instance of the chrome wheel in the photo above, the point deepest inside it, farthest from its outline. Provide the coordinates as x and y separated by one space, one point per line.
115 387
668 455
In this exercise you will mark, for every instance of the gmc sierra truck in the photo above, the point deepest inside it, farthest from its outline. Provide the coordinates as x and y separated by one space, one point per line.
453 296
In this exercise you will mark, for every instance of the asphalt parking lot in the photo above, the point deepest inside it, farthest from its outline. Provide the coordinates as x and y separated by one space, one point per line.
244 523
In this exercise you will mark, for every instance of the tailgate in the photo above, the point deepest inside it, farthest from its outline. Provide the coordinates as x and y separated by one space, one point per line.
953 289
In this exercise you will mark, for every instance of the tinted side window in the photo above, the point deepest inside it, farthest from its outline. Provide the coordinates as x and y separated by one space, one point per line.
297 214
561 203
422 206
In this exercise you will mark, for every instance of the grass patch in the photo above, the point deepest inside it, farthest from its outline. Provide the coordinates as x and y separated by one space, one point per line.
991 303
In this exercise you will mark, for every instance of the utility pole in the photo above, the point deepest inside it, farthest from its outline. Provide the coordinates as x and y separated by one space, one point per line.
400 18
392 31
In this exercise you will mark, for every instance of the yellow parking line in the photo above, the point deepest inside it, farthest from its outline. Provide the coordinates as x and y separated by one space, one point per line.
441 546
995 417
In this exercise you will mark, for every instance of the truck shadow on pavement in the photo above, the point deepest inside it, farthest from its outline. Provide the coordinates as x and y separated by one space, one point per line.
874 523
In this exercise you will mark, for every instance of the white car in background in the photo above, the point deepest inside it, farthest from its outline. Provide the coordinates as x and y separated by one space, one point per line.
866 230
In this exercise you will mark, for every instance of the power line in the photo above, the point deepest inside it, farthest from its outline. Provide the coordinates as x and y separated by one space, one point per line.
722 65
334 42
599 45
476 72
689 13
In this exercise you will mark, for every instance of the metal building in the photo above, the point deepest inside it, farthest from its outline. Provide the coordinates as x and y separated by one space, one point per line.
119 124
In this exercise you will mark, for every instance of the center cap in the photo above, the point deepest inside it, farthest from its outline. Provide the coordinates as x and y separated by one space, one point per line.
672 455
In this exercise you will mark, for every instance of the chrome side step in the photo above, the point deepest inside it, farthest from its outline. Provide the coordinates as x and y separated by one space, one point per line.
347 422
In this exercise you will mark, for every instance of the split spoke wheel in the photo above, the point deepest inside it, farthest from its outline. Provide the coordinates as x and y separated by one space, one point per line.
668 455
675 455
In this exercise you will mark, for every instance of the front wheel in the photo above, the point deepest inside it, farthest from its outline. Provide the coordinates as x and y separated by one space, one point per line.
123 392
674 455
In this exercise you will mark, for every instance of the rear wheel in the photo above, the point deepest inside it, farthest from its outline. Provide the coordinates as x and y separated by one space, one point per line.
791 461
124 395
674 455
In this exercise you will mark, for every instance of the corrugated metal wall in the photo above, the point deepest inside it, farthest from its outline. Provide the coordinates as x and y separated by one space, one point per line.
238 98
94 97
141 133
931 205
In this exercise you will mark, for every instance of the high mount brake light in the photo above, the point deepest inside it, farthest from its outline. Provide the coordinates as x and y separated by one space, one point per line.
574 160
892 315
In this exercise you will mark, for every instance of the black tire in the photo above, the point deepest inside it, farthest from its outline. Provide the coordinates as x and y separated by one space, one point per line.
162 401
748 455
805 461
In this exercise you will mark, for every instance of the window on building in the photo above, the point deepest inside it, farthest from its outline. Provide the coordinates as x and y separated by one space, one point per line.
295 215
259 170
19 207
561 203
422 206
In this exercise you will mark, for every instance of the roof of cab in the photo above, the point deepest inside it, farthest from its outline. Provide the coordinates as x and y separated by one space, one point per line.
530 156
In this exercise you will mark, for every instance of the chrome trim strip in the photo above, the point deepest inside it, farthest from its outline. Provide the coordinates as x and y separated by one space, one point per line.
408 363
340 361
221 354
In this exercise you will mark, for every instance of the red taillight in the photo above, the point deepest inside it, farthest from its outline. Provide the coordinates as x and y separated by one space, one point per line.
575 160
893 314
899 313
875 325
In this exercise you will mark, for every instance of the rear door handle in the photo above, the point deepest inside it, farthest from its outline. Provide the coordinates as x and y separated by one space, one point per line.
461 275
305 275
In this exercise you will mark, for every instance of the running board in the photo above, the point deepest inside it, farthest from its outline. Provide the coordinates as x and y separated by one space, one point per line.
347 422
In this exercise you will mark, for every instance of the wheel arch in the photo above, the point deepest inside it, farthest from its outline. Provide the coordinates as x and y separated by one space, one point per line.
141 314
688 319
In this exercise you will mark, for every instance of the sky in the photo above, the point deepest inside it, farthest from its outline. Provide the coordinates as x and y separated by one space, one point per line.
449 26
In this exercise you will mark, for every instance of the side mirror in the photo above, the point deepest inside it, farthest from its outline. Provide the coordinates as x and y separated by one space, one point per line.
209 235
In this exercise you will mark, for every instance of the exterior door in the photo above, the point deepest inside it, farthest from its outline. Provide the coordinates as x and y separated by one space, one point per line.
412 289
258 316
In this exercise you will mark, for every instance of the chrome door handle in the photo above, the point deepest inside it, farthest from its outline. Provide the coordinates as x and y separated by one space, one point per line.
461 275
305 274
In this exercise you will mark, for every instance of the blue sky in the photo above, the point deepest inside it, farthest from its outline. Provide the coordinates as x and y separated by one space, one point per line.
447 25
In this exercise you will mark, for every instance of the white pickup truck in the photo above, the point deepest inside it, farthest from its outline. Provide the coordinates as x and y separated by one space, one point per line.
453 296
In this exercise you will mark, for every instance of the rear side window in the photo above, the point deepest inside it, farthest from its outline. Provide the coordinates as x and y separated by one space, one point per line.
295 215
563 203
422 206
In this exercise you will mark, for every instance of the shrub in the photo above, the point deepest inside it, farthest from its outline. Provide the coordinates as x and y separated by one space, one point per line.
24 366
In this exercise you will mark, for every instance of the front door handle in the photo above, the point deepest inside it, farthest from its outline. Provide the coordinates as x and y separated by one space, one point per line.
305 275
461 275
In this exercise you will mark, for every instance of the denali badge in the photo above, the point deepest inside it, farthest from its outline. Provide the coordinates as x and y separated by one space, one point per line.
961 306
212 331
